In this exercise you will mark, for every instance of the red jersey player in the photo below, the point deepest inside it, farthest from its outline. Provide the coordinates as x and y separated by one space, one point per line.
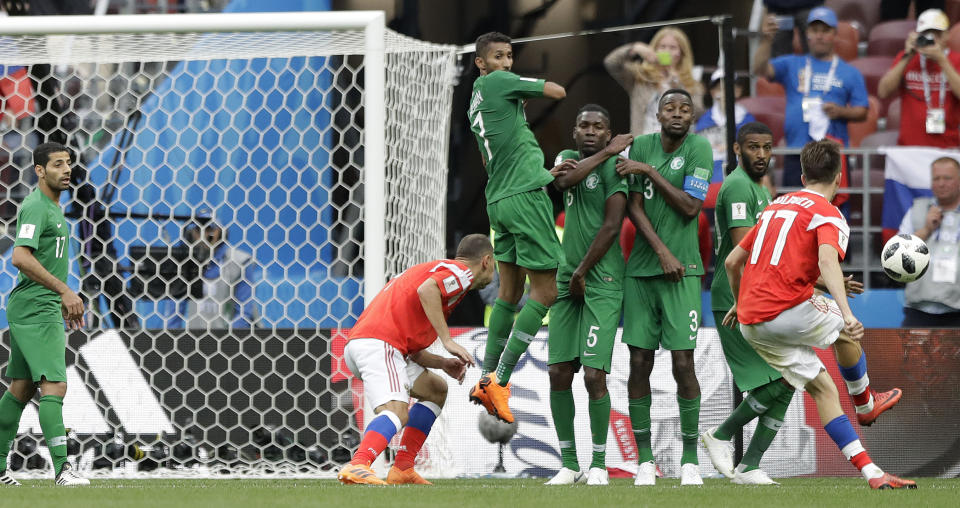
386 349
799 239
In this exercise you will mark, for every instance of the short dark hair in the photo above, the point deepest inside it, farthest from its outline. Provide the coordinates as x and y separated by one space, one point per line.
41 154
752 128
820 161
474 246
485 40
595 108
672 91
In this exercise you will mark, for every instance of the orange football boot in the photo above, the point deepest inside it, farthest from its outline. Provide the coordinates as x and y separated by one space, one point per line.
493 397
358 474
398 476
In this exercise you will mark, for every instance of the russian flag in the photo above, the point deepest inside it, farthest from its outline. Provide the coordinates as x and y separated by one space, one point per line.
907 177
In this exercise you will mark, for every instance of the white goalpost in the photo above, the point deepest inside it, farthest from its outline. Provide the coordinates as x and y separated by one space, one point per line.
315 141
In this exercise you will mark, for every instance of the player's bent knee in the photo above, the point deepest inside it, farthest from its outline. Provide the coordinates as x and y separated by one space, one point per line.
430 387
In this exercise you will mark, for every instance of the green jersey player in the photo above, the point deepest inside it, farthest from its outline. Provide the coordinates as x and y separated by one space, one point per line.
36 310
520 212
584 320
671 171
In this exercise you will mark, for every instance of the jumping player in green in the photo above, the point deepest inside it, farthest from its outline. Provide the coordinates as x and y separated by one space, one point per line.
661 299
741 200
584 320
38 306
520 213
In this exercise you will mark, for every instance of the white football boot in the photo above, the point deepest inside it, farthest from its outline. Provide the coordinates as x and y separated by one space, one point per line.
753 477
68 477
598 476
646 474
6 479
690 475
719 451
566 477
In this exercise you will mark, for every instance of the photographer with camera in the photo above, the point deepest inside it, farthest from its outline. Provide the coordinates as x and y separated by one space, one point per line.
925 76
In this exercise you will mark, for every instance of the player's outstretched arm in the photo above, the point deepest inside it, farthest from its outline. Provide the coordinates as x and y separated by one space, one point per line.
453 367
432 301
553 91
672 268
852 287
24 260
613 211
832 275
583 168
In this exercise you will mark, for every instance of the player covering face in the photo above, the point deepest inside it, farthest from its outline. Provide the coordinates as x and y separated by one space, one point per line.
801 238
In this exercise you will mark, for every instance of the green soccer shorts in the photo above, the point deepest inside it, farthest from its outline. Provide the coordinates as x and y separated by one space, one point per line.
657 312
749 370
525 233
586 329
37 351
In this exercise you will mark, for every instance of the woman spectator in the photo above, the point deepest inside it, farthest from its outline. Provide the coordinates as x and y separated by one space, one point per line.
646 71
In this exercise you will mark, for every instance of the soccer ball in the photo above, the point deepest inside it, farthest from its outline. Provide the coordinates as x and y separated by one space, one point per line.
905 258
496 430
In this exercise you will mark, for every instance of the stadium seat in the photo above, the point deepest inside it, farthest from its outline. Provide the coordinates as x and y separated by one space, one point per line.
769 110
847 41
887 38
893 114
881 138
859 130
767 88
953 38
873 68
862 14
952 9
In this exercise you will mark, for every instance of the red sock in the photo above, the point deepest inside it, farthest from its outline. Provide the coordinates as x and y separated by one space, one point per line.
860 460
373 443
862 398
410 445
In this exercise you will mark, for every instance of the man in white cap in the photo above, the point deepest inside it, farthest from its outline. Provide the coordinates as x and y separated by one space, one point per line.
925 77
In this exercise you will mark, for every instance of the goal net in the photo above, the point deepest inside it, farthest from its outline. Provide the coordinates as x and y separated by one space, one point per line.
242 181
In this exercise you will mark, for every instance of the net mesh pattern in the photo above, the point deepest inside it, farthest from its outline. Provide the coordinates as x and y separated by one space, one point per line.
217 213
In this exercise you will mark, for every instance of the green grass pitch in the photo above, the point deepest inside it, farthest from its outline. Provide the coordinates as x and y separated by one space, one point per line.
484 493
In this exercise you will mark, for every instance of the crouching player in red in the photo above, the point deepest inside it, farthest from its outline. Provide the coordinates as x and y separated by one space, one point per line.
386 350
799 238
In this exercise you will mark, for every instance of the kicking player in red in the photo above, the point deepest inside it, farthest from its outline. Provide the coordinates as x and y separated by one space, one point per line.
386 350
799 239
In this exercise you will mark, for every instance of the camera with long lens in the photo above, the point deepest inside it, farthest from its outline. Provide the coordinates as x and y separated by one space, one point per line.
924 40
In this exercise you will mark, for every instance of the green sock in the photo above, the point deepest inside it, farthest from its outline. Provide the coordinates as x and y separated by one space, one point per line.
10 411
689 428
640 421
501 321
51 421
756 403
599 423
563 410
767 429
524 330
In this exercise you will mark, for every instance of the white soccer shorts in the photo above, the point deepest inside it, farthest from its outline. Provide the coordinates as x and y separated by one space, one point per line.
787 341
385 373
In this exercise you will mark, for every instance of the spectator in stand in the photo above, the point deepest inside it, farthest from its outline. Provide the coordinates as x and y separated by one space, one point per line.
925 77
900 9
934 299
823 91
646 71
790 14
